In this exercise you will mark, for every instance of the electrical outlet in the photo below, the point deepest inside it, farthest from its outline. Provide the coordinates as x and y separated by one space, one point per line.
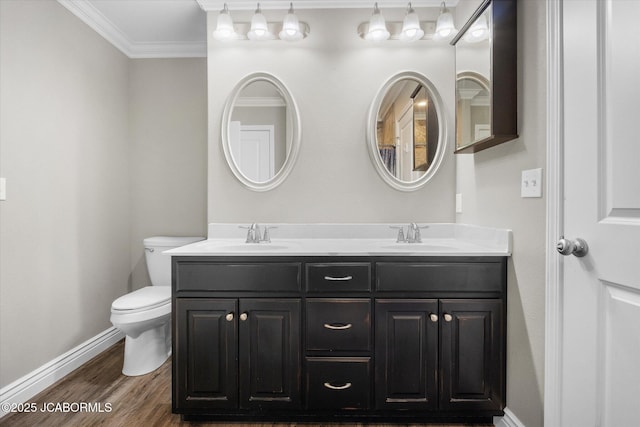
531 184
3 189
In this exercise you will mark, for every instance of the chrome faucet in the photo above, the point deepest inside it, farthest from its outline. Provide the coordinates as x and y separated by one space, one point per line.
254 234
413 233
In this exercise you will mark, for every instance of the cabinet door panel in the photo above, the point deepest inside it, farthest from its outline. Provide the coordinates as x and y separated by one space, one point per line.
471 355
406 354
206 344
270 366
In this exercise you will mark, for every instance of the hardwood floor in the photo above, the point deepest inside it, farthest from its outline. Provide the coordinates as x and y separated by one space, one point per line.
124 401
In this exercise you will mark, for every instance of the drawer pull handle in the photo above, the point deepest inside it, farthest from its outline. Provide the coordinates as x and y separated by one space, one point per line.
338 327
337 387
338 279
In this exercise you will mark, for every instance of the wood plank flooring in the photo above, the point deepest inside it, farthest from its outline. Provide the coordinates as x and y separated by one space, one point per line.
134 401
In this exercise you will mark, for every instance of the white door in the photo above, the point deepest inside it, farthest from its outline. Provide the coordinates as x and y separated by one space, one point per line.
252 147
598 380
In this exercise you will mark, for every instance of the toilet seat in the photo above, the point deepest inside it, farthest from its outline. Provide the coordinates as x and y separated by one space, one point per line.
144 299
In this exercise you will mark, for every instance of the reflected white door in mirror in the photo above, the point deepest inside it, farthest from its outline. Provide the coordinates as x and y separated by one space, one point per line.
406 131
260 131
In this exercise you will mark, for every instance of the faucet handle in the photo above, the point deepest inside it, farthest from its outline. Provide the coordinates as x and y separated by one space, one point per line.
251 232
266 237
417 237
400 238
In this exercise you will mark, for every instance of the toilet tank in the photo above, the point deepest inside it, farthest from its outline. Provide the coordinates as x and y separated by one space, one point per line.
159 264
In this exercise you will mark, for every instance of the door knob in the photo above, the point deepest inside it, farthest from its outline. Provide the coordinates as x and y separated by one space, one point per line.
448 317
244 316
577 247
229 317
433 317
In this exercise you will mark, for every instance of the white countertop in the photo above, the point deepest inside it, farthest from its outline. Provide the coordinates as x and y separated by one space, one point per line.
351 240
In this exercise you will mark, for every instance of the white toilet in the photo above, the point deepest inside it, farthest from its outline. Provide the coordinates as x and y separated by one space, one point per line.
145 315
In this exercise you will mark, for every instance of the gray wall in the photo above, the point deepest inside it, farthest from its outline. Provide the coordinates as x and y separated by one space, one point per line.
334 76
168 137
64 246
490 185
99 151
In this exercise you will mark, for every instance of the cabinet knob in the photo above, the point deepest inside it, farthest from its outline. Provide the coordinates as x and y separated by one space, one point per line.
433 317
229 317
244 316
448 317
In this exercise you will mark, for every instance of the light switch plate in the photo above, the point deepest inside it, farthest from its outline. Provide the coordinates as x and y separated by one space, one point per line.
531 183
3 189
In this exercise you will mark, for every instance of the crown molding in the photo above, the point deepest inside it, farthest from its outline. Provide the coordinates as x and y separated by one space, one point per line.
217 5
91 16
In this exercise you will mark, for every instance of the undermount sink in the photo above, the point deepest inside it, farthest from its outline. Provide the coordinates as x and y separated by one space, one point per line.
249 247
414 247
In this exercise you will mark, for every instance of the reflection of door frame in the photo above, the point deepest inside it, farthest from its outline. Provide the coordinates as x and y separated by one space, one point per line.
236 138
401 153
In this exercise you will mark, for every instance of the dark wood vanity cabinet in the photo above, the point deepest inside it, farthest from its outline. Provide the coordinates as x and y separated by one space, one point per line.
227 360
337 338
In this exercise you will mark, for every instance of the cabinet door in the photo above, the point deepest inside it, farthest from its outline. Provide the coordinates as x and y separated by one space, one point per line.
472 355
406 354
270 361
205 348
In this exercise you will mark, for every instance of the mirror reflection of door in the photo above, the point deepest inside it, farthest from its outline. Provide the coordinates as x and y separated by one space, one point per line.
258 131
252 147
407 130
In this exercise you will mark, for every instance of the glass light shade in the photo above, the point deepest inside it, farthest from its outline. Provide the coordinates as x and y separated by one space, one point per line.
259 28
224 28
291 27
377 27
478 31
411 30
444 25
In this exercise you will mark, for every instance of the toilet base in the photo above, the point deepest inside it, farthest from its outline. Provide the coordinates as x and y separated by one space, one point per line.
147 352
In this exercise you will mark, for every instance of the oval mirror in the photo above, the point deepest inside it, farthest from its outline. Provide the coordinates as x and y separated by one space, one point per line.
406 131
260 131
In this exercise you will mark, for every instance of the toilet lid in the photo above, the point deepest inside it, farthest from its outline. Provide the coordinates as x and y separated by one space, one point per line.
149 297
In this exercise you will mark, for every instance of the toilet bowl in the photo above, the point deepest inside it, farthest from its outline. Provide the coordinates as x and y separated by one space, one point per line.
144 315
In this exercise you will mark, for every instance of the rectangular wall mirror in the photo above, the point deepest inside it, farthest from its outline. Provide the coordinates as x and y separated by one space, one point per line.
486 77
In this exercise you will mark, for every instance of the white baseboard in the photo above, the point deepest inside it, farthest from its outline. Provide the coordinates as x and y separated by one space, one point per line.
509 420
23 389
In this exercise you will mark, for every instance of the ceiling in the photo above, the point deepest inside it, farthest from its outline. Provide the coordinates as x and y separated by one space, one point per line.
178 28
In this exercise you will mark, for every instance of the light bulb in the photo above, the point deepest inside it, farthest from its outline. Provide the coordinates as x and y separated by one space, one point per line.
224 28
259 29
291 27
411 30
444 25
377 26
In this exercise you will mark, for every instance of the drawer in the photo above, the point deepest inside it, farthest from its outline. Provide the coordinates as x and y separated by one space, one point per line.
338 277
239 276
338 324
447 277
338 382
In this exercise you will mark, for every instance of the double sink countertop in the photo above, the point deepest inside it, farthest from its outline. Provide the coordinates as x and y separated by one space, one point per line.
351 240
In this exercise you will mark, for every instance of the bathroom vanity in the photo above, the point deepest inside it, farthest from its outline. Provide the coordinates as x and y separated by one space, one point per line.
340 330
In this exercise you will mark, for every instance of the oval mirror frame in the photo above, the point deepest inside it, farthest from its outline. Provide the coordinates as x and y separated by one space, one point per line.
372 139
293 132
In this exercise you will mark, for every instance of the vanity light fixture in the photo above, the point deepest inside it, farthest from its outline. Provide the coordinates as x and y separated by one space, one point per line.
479 31
377 27
411 30
444 26
224 28
291 30
259 28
